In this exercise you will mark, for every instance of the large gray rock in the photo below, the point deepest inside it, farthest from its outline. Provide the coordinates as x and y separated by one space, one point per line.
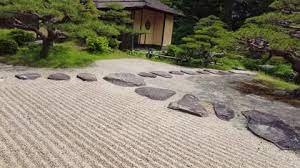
273 129
189 72
223 112
28 76
147 75
176 73
162 74
87 77
59 77
125 79
155 93
189 104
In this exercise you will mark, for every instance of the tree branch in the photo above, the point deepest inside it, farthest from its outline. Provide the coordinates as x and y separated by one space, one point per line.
20 25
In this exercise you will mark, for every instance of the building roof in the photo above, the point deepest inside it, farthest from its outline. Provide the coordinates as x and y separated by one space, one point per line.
153 4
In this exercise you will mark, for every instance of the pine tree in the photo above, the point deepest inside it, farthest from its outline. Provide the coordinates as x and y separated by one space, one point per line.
57 17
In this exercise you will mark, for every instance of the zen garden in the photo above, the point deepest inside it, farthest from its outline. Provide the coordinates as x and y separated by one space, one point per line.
150 83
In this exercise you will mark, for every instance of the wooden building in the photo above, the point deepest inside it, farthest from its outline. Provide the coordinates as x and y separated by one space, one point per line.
151 16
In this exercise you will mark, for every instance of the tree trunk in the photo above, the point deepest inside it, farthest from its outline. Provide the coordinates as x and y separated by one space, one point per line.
47 44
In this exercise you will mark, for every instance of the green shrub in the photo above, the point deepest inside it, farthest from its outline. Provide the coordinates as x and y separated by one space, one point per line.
8 46
284 71
174 51
21 37
251 64
98 44
114 43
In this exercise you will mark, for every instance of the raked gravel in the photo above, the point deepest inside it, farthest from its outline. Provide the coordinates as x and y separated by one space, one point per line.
46 123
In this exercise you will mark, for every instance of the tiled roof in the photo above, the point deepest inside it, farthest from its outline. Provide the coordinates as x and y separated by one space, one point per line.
154 4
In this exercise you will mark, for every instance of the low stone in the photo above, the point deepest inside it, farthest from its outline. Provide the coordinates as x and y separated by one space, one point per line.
202 72
217 72
280 93
242 72
59 77
223 112
266 68
87 77
162 74
176 73
273 129
189 72
239 68
224 73
28 76
155 93
189 104
125 79
295 93
212 71
147 75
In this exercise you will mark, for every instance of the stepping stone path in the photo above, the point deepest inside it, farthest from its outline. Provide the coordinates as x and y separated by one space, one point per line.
28 76
125 79
87 77
273 129
176 73
189 104
189 72
162 74
155 93
59 77
223 112
147 75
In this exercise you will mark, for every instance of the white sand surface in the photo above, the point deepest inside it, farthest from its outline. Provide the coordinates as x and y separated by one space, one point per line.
72 123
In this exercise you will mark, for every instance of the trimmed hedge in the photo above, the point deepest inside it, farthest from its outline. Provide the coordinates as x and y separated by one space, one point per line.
8 47
21 37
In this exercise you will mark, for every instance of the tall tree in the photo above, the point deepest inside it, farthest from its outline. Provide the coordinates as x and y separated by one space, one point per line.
49 19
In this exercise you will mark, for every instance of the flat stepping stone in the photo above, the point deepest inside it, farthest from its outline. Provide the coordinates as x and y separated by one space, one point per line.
176 73
189 104
59 77
223 112
155 93
28 76
202 72
212 71
125 79
218 72
147 75
243 72
272 129
162 74
189 72
87 77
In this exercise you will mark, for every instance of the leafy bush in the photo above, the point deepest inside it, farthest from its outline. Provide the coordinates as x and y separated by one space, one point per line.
251 64
21 37
8 46
98 44
114 43
284 71
174 51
